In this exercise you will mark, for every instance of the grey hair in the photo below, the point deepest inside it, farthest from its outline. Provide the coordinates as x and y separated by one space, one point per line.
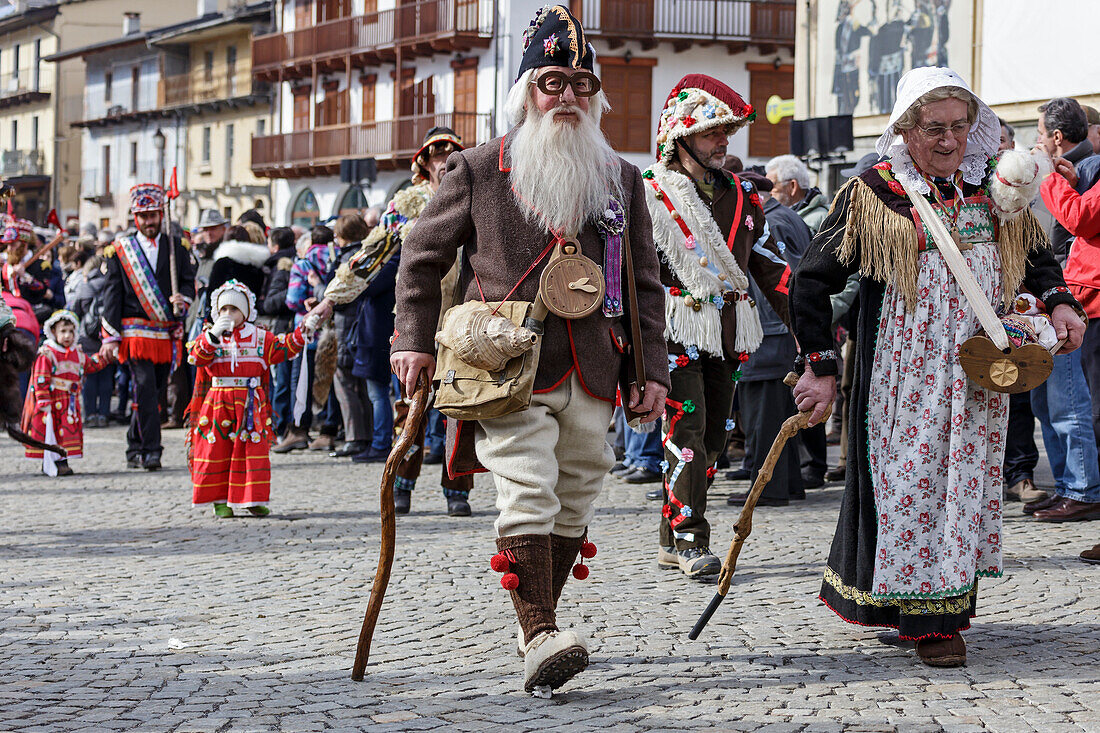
911 117
790 168
515 104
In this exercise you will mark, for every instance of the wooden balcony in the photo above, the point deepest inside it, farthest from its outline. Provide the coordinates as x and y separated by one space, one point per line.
222 87
391 142
418 28
736 24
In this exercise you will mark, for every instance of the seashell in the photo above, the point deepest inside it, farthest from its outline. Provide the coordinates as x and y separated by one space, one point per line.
481 339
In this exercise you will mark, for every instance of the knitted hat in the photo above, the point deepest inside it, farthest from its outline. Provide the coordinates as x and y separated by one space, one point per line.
17 230
555 38
57 317
435 135
146 197
236 293
696 104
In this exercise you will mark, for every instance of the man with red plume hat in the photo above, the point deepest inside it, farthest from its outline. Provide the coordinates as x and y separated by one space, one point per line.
140 327
711 235
552 183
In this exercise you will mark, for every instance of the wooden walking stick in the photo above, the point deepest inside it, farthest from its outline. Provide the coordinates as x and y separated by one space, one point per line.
743 528
389 525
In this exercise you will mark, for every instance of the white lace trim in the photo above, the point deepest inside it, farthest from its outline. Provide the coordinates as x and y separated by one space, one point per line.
905 170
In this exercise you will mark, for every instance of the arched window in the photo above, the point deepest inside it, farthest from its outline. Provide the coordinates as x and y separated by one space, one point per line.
353 201
305 212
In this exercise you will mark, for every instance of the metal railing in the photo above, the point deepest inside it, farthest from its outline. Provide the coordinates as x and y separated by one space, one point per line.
22 163
412 23
757 21
123 101
95 183
27 80
384 139
196 87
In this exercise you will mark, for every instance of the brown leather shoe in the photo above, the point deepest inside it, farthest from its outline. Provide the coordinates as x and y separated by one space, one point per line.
323 442
1092 556
836 474
943 652
1024 490
1040 504
294 440
1069 510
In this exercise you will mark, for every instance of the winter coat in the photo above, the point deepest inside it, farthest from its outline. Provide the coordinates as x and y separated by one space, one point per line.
87 304
274 314
1080 215
235 260
375 323
813 209
319 259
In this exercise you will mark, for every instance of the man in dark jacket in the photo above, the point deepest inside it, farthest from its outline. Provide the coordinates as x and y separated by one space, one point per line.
279 319
765 401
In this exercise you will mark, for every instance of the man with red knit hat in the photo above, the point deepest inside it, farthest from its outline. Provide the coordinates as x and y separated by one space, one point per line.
711 233
140 325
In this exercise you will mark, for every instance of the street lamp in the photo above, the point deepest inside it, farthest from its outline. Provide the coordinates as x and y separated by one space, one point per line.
158 143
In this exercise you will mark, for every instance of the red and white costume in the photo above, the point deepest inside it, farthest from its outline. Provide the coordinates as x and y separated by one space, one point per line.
53 411
230 430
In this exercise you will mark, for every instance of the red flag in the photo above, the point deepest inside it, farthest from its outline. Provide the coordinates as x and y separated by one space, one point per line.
51 218
173 188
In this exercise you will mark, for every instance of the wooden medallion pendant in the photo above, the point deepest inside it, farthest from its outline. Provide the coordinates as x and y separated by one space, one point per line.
1020 369
572 286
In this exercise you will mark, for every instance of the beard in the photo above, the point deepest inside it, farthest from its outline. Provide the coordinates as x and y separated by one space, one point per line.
563 174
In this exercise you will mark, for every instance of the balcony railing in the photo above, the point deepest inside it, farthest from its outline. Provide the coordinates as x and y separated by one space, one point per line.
197 87
22 163
276 155
372 37
96 184
34 80
747 21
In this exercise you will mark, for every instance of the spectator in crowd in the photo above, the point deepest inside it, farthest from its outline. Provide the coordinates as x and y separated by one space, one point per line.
240 256
1008 136
1093 116
87 304
253 216
765 400
1063 132
791 187
372 216
279 319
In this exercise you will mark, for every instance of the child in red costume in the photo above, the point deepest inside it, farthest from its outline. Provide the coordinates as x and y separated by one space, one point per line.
53 411
229 419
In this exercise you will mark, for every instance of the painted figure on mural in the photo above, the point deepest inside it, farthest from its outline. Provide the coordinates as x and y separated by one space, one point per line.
849 36
886 58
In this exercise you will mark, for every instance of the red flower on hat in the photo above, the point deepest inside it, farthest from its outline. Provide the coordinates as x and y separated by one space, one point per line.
689 121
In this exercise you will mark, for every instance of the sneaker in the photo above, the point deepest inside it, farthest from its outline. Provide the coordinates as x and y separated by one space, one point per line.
259 510
294 440
323 442
667 559
698 561
1025 491
402 501
371 455
457 506
642 476
553 658
223 511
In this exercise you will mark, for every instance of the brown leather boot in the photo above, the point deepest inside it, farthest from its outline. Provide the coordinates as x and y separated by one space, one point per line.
529 559
563 555
943 652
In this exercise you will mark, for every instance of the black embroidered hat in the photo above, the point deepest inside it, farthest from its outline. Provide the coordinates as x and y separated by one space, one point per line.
555 38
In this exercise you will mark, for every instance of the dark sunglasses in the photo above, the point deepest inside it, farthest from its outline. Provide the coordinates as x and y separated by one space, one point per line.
553 83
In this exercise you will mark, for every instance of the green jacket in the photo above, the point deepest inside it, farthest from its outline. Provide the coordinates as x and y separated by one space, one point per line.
813 209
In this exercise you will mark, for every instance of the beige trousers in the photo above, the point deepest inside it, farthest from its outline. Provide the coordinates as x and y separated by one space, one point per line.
548 462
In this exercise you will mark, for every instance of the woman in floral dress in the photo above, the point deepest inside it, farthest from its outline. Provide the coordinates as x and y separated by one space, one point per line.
921 517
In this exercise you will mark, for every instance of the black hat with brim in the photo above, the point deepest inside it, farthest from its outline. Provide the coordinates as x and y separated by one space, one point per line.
555 38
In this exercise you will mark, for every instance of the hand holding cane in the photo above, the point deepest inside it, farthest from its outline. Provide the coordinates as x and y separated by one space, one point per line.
743 528
389 525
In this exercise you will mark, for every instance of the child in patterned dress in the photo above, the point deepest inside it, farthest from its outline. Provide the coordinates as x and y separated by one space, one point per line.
229 430
53 410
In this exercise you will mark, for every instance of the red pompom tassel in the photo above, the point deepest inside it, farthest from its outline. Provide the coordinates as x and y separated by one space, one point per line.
499 563
588 550
510 581
580 572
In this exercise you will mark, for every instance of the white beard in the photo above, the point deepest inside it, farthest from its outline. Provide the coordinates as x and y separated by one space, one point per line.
563 175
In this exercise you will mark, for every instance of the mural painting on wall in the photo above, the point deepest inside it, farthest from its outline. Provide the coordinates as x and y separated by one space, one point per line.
871 43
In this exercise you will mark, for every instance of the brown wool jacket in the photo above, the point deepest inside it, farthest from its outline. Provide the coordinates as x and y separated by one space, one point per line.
762 262
476 209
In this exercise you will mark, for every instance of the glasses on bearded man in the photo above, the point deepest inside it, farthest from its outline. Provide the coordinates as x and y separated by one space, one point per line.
553 83
959 129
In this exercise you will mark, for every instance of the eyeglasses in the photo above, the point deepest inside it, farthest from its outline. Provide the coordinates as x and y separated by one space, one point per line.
553 83
936 132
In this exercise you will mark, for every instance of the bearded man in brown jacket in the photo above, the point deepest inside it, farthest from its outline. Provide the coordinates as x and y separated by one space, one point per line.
552 176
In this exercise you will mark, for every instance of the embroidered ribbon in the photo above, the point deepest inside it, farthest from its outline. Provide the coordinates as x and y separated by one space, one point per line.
143 279
612 224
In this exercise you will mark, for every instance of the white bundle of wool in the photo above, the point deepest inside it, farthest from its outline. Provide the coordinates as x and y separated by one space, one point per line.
1016 179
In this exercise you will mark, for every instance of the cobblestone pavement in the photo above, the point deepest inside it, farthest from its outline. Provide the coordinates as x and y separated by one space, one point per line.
124 608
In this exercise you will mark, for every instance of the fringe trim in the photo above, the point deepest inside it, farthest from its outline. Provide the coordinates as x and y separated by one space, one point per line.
885 244
703 329
158 351
750 334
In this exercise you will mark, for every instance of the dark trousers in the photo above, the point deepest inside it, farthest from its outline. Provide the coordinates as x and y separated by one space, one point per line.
282 396
707 382
1090 362
815 447
148 380
764 407
97 391
409 469
1021 455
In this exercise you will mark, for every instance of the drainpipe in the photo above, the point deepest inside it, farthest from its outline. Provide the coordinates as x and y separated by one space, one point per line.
55 185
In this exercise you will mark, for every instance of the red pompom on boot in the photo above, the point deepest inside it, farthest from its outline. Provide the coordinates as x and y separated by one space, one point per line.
502 563
588 551
499 563
509 581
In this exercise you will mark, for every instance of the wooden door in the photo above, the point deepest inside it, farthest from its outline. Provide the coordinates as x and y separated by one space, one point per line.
301 109
303 14
465 109
635 16
369 85
765 139
629 89
333 9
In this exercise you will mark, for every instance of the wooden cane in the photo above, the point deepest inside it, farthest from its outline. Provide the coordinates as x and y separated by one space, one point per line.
743 528
389 525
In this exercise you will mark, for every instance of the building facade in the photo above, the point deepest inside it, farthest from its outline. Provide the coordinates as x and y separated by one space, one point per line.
364 80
